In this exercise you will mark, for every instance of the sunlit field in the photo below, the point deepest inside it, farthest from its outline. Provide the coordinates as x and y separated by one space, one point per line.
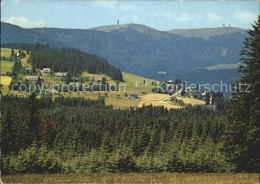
181 178
191 101
6 66
155 99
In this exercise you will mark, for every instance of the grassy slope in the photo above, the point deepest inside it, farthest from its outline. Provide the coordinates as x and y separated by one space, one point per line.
175 178
132 83
112 97
7 66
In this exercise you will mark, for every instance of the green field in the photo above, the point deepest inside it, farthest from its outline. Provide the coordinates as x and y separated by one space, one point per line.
6 66
178 178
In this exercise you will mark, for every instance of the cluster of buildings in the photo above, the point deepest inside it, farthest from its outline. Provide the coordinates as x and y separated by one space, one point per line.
47 72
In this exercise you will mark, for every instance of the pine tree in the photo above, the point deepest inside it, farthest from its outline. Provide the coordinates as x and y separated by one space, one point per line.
242 141
12 52
34 116
207 98
39 81
46 135
68 78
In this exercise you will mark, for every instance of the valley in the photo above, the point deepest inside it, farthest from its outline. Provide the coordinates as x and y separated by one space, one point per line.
118 99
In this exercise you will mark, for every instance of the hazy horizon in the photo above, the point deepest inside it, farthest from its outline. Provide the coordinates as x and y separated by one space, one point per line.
124 24
160 15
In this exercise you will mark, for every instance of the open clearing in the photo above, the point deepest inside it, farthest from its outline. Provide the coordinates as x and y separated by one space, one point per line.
158 100
6 66
174 178
191 101
5 80
154 99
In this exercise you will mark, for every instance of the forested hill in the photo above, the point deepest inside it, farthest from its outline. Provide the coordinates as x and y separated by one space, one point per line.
67 60
144 51
73 61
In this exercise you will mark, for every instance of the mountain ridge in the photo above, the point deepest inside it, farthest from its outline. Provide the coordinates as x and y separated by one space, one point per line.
142 50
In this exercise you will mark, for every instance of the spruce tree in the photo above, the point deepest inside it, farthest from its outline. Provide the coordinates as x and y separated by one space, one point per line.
68 78
12 52
242 140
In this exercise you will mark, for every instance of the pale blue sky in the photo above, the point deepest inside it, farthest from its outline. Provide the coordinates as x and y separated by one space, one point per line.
161 15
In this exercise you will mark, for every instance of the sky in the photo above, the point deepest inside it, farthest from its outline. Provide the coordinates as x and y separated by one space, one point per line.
161 15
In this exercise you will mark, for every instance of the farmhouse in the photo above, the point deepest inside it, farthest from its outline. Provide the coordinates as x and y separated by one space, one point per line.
169 82
27 68
60 74
73 83
97 80
204 94
133 95
46 71
52 91
32 79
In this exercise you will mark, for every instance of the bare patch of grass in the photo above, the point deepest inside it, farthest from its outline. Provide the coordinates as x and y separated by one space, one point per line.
175 178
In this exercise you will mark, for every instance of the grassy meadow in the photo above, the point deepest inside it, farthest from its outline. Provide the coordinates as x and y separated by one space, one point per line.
6 66
154 100
191 101
174 178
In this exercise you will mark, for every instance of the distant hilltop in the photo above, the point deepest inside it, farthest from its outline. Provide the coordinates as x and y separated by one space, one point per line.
204 33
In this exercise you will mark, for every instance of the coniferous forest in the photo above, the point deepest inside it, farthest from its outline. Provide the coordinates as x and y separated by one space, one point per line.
73 61
78 135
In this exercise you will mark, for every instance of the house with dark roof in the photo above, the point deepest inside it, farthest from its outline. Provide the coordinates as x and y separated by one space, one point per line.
46 71
169 82
97 80
52 91
133 95
32 79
